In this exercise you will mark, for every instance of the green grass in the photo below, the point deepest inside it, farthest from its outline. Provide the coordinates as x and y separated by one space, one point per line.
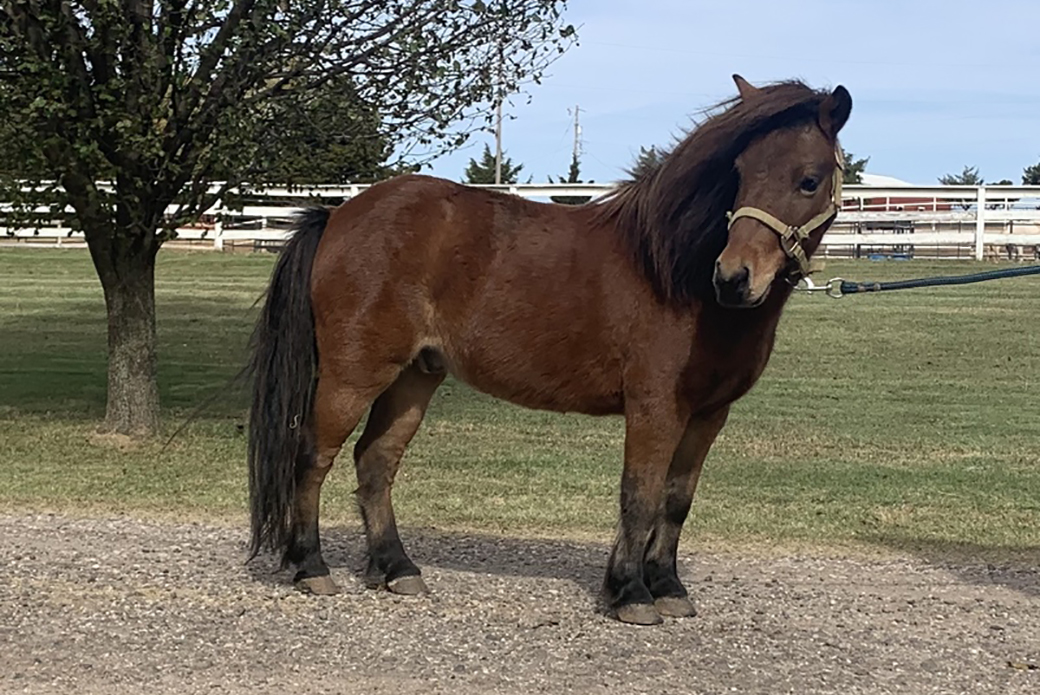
908 421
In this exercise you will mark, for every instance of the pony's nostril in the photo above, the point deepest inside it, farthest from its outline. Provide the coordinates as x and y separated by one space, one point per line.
732 289
739 279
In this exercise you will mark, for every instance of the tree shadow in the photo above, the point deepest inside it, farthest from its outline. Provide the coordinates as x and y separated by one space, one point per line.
56 362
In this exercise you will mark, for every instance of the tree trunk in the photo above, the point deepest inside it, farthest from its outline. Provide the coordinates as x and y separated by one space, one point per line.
128 278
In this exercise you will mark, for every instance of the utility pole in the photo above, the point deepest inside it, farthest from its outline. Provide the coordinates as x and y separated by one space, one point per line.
577 131
498 142
498 122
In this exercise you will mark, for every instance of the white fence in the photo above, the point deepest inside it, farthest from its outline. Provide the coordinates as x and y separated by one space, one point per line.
939 221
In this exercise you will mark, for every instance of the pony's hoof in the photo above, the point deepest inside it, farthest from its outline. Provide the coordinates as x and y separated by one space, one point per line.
319 586
411 585
675 607
639 614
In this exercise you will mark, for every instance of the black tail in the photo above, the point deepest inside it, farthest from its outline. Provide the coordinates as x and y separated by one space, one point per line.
283 367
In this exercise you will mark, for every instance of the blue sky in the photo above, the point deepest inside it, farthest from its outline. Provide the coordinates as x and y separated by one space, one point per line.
935 85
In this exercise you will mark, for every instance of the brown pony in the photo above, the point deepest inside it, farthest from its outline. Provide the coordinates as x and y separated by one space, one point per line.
660 304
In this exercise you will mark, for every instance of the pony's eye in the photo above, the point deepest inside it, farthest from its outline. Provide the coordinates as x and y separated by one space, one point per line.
810 184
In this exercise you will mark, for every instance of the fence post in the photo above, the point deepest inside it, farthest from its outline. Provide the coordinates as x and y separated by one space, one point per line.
218 225
980 222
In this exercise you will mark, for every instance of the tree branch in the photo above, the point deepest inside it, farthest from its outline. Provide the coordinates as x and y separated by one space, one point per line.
211 56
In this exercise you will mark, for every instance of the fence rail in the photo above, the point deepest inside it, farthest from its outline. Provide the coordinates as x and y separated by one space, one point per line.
937 221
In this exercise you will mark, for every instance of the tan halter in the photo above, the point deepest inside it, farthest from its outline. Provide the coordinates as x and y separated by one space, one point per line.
791 237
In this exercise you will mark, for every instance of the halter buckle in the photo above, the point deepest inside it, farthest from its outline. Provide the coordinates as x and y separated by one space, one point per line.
799 233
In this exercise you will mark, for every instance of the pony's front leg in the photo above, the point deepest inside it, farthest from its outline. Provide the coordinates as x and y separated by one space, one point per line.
660 571
653 430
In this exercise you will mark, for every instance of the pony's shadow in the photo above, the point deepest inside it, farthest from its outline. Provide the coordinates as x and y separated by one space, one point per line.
579 562
583 563
978 565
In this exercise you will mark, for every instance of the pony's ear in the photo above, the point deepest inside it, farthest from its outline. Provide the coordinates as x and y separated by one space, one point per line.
835 110
747 91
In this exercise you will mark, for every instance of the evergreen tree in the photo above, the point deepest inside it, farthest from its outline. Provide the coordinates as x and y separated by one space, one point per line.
854 168
969 177
484 170
1031 175
647 161
573 176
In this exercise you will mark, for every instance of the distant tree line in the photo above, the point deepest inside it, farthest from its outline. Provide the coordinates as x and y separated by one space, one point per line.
971 177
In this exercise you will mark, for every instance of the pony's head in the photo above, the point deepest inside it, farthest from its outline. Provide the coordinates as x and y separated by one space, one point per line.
741 201
788 192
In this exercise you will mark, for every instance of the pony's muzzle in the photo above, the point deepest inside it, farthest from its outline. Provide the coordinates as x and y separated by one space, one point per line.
733 287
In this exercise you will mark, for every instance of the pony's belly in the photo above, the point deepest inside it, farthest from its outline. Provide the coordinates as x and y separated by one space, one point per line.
576 388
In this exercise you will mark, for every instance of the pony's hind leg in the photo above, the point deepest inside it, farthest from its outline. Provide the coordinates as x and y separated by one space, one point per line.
394 420
659 564
338 407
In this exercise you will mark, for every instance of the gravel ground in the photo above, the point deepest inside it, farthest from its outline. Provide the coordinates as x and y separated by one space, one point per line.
114 605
